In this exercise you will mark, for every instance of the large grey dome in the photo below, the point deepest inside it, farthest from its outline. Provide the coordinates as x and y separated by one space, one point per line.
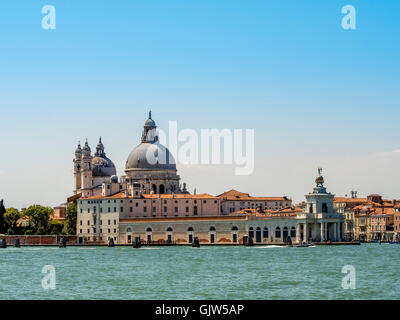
103 167
150 155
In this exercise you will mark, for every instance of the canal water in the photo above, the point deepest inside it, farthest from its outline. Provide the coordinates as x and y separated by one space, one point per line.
220 272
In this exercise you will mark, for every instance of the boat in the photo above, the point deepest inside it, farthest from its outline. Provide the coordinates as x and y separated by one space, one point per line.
393 242
300 245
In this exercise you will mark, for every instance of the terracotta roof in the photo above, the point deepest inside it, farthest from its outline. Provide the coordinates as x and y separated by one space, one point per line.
354 200
121 195
233 195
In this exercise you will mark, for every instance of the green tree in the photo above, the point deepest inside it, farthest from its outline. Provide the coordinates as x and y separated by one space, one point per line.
70 218
56 227
11 218
38 218
2 212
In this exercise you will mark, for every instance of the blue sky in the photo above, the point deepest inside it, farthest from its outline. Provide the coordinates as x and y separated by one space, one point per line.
315 94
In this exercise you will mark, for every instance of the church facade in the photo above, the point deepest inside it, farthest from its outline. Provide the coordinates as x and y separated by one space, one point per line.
150 203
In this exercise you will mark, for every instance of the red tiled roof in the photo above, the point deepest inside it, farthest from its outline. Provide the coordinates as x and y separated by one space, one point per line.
121 195
233 195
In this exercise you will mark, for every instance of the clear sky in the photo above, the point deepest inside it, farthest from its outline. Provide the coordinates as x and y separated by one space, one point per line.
315 94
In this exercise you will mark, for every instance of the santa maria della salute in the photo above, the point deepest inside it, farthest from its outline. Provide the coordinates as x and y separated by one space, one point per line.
149 204
150 168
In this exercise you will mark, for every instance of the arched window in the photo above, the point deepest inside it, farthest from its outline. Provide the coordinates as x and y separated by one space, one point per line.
324 208
162 189
293 232
277 232
258 228
285 233
128 230
190 229
169 229
234 228
212 228
149 229
195 210
265 233
251 232
154 188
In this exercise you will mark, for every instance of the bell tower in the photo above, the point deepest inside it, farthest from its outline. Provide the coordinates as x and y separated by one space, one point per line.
86 169
77 169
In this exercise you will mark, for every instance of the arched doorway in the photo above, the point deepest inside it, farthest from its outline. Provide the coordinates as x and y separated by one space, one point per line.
190 234
285 233
258 234
212 234
265 233
277 232
234 234
251 232
293 232
169 234
162 189
149 232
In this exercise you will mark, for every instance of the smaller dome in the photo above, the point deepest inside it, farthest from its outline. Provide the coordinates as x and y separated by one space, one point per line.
78 151
150 123
114 179
103 167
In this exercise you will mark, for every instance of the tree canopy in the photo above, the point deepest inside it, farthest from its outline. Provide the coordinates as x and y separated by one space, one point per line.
70 219
11 218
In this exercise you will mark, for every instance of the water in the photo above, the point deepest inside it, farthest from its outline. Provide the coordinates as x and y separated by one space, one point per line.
264 272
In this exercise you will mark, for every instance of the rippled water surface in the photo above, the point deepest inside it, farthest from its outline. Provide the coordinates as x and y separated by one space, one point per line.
261 272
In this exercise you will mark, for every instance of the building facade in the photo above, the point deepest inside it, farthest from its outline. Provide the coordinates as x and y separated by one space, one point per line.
149 202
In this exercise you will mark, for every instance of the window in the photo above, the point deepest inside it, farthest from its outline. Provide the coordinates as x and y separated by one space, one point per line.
153 209
176 209
324 207
137 204
165 209
109 230
88 222
265 232
122 209
109 209
144 209
109 222
115 209
115 221
80 222
130 209
277 232
187 209
115 230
